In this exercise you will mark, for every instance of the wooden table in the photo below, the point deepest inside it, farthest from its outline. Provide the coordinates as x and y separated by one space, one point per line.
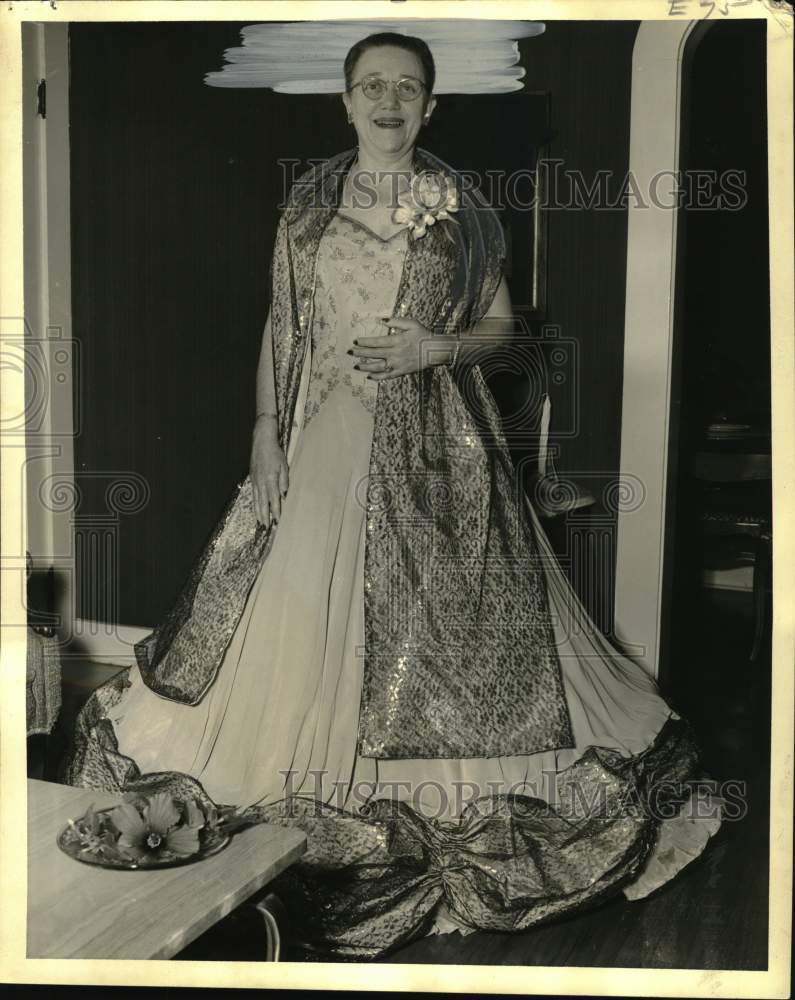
77 910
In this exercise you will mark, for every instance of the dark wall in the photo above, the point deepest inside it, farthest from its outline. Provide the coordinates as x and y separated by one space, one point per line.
587 67
175 188
725 282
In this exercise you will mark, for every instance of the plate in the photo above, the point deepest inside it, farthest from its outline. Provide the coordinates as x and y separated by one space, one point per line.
211 842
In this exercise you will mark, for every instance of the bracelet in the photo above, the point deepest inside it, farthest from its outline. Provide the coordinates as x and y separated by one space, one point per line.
274 416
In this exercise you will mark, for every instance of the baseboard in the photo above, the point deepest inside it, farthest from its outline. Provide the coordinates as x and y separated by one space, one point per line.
105 642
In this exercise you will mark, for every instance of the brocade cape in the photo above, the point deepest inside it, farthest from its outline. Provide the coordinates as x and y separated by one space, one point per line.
460 658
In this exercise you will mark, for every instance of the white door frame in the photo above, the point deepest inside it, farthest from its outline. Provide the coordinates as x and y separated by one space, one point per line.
53 361
51 365
648 338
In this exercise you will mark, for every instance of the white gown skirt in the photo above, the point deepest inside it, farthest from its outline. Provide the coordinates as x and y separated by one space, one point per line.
281 717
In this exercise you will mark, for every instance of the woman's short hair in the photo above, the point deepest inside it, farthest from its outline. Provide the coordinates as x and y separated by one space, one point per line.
407 42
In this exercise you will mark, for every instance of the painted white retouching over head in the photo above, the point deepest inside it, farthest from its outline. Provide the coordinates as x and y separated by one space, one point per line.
306 57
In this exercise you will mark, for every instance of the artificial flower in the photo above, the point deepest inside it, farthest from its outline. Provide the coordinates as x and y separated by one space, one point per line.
91 831
158 829
431 196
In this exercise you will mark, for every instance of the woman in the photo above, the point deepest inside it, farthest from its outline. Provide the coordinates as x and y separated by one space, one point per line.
376 642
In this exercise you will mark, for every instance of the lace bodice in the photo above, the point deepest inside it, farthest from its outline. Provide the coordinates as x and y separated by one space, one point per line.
356 284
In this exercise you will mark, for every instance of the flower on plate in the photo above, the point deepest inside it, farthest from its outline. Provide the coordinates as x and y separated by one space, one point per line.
431 196
158 829
92 833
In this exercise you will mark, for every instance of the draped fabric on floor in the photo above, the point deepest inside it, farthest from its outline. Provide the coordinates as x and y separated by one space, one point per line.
372 881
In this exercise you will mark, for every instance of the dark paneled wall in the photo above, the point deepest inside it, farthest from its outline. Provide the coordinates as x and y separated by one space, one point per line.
587 67
175 188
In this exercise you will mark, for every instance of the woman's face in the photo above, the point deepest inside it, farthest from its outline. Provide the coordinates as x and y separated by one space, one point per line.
388 126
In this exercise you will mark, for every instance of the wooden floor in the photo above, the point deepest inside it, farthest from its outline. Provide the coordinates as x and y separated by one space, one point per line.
713 915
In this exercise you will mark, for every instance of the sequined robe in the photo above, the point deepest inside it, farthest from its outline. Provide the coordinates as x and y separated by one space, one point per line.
373 880
460 656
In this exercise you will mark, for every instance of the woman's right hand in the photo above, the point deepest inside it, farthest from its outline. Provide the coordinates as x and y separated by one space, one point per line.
269 472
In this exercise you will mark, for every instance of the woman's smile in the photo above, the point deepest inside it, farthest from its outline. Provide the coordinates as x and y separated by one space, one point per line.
389 121
388 132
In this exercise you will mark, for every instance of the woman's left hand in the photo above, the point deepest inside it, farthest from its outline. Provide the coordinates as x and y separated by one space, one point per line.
399 353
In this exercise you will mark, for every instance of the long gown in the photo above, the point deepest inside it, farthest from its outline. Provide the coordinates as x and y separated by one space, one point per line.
281 717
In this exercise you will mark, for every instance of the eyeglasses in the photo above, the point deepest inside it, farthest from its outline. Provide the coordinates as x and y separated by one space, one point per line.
374 87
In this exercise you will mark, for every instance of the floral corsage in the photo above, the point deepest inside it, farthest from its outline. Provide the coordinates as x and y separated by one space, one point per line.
431 196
